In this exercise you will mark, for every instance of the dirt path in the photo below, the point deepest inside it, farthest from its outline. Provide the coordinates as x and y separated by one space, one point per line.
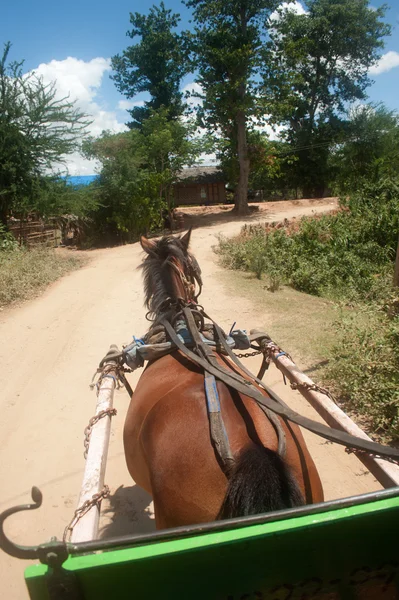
49 350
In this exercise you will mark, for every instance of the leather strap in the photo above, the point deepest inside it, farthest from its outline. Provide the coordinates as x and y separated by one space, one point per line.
276 405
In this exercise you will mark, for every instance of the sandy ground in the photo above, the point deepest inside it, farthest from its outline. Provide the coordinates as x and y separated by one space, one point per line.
49 350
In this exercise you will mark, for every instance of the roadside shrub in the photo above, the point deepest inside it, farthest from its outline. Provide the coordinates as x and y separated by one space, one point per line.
344 256
347 257
364 369
7 240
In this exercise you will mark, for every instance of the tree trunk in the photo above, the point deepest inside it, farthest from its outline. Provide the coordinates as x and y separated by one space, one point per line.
3 214
241 195
396 273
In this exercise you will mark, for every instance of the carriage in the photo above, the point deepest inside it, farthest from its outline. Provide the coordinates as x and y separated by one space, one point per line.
341 549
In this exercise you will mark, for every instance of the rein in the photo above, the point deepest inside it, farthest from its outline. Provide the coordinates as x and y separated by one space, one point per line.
204 357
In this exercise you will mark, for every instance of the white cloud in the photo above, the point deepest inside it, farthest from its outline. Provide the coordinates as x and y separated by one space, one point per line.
295 7
193 88
128 104
76 78
273 133
77 165
208 159
81 81
388 61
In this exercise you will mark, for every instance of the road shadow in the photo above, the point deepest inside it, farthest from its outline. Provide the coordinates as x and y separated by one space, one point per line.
316 366
127 511
216 215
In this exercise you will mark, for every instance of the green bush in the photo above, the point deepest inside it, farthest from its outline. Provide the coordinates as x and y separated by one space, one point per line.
364 368
7 240
346 255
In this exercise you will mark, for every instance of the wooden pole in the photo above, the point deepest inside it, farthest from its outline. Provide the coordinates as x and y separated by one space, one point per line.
86 528
385 472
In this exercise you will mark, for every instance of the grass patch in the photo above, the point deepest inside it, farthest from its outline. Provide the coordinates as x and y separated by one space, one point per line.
24 273
300 323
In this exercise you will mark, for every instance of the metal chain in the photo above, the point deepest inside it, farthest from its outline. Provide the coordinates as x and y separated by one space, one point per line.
111 412
249 354
271 348
371 454
314 388
95 500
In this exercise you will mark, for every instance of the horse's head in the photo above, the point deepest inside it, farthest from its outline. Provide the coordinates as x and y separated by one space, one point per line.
170 273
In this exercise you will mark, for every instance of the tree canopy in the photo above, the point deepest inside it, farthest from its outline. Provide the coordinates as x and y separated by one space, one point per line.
36 131
315 65
371 148
155 64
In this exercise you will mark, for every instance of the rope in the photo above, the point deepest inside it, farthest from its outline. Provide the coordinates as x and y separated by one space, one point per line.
107 371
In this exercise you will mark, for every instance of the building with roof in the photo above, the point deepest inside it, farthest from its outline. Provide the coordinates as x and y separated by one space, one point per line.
200 185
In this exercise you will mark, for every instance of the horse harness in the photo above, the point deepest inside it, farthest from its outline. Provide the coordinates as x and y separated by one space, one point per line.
272 405
165 338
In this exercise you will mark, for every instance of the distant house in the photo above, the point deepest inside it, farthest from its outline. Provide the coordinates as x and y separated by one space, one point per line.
200 185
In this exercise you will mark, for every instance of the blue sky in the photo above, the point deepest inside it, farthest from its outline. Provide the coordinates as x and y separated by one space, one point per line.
73 41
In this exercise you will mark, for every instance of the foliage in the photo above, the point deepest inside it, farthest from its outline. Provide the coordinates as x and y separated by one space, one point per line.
371 148
24 273
315 64
7 240
36 130
228 40
55 197
156 64
347 255
365 366
138 172
271 163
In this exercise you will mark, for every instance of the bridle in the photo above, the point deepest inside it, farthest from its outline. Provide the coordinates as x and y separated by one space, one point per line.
189 278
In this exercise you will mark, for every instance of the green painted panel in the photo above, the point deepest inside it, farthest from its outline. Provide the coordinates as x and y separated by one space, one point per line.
343 553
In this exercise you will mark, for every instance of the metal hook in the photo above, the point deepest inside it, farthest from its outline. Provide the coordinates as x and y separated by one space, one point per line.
7 545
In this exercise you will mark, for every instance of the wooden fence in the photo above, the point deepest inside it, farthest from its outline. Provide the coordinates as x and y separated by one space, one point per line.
34 233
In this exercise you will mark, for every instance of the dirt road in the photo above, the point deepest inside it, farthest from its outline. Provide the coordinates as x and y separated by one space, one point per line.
49 350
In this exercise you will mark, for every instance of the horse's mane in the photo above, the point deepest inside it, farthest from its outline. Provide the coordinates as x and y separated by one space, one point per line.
158 286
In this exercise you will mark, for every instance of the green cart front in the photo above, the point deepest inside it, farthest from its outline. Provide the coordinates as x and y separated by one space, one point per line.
346 549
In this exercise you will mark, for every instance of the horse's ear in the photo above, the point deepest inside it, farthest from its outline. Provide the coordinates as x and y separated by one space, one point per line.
147 245
185 239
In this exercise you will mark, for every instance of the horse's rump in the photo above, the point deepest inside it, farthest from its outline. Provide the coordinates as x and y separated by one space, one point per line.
169 449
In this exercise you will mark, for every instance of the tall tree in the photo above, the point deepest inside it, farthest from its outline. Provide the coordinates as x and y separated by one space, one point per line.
315 65
370 150
36 131
229 38
155 64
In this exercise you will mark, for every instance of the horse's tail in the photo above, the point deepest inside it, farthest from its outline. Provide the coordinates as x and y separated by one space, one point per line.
260 481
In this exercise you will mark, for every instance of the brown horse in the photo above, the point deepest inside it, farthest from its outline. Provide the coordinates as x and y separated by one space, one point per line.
167 440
